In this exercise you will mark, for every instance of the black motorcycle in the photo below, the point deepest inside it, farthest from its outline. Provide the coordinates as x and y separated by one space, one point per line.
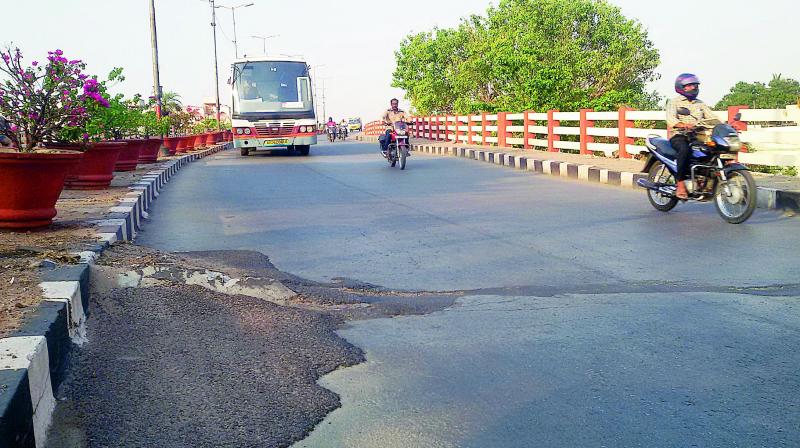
715 173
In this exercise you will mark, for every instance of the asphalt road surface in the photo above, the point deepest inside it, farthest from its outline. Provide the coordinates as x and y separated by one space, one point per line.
587 318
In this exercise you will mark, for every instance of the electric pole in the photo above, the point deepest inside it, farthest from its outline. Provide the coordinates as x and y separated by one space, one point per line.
154 44
216 64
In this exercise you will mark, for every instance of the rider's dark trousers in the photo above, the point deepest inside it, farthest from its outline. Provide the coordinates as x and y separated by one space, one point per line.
681 144
384 140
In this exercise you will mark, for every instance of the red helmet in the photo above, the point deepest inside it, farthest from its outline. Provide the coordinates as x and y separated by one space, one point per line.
683 80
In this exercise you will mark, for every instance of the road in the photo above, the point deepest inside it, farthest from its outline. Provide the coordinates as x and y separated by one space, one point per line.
585 317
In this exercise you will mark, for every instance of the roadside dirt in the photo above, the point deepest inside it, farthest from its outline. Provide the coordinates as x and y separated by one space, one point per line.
22 253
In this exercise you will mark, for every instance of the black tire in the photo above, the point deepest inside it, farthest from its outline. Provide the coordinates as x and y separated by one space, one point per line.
303 149
742 189
659 201
244 151
402 158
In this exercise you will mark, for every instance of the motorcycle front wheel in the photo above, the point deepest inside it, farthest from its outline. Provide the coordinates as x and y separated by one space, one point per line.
402 158
736 198
659 174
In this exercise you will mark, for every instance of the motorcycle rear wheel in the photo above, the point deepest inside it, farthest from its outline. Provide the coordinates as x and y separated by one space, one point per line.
661 175
736 204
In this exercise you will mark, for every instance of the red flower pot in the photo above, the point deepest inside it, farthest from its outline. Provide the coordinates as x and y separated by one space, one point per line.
172 144
219 136
183 144
228 135
30 185
211 139
199 141
96 168
129 157
149 151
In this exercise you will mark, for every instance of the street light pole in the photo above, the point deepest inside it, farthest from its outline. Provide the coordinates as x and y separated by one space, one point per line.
233 15
154 44
216 64
264 40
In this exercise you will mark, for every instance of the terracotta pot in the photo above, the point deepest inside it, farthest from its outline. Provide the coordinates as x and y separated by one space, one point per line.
171 143
129 157
219 137
228 135
30 184
149 151
199 141
96 168
183 143
211 139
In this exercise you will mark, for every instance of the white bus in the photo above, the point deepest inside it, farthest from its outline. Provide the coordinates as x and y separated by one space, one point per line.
273 105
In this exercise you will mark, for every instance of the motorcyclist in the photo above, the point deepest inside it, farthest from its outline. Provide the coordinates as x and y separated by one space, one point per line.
390 117
343 127
687 86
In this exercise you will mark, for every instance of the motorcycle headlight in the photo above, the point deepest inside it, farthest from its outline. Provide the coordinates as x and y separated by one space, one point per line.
734 143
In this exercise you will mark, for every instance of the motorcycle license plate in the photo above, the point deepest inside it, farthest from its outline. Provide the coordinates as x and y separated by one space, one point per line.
277 141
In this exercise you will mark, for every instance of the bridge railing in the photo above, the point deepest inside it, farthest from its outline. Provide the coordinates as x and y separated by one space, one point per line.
619 133
374 128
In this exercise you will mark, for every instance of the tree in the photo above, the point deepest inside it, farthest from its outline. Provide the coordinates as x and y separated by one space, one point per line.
171 102
776 95
530 55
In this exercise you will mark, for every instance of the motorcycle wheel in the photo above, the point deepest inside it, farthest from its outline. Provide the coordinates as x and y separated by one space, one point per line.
736 198
660 174
402 158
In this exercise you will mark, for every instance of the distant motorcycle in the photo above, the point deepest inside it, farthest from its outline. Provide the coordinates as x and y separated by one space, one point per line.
398 145
715 174
342 132
332 133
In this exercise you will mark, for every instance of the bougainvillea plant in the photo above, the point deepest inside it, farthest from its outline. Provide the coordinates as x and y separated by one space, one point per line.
41 99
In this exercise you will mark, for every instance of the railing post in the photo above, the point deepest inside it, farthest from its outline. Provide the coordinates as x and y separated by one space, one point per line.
484 132
438 128
526 133
585 137
429 119
739 125
623 125
552 137
457 123
501 129
470 130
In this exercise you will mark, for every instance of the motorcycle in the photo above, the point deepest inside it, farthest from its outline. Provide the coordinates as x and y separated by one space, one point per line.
332 133
342 132
715 173
398 145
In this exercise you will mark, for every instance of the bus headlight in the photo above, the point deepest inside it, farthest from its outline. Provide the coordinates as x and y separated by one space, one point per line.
239 131
247 131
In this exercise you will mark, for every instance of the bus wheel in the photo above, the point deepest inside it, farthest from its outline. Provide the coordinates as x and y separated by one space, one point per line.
303 149
244 151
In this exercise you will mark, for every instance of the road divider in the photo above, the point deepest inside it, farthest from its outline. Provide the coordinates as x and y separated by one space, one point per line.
33 359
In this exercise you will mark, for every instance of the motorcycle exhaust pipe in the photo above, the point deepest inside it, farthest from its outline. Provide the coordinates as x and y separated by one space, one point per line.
668 190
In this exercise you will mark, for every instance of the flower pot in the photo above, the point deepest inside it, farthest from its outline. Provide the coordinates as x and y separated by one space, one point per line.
96 168
219 137
199 141
30 184
228 135
183 144
171 143
149 151
211 139
129 157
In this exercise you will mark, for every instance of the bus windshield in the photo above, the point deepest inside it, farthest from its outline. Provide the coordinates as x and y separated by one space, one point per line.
271 86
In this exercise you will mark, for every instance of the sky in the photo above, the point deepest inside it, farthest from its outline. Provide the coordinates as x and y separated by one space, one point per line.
350 43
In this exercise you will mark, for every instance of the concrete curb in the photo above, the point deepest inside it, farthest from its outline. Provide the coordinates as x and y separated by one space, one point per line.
768 198
33 360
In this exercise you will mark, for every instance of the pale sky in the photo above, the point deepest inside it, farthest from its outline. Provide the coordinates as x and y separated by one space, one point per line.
352 42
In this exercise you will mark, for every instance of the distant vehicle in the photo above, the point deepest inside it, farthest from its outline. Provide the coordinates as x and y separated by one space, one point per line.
273 105
354 124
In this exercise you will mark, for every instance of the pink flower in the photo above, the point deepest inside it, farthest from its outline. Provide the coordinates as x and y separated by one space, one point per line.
14 128
34 63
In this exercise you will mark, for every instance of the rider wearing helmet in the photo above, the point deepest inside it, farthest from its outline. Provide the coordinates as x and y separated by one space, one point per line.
390 117
687 86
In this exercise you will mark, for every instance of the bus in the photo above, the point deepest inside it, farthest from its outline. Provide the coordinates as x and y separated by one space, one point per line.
273 105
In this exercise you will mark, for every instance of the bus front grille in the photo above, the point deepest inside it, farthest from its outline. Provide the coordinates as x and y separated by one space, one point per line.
273 129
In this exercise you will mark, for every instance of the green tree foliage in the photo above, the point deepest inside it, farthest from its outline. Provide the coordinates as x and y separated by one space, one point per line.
530 55
779 93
